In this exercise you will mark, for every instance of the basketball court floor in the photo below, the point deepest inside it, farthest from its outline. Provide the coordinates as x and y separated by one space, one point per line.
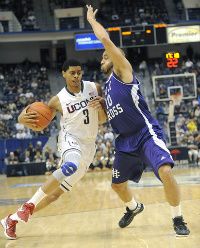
88 216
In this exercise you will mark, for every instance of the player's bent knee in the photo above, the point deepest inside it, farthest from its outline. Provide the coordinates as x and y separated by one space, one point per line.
67 169
70 164
165 171
119 186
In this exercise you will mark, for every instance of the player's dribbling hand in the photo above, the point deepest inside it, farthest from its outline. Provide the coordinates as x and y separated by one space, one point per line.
91 13
97 103
29 119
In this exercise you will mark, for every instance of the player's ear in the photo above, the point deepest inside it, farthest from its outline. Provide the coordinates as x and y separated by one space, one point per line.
63 73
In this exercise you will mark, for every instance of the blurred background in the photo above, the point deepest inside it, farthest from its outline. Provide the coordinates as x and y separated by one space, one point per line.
161 39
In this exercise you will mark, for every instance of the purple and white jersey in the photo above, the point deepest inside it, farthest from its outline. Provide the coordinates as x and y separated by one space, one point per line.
129 114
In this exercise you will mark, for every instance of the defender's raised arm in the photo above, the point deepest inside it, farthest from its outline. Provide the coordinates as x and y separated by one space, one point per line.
121 65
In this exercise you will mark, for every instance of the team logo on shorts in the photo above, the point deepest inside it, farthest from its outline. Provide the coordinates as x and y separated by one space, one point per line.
115 173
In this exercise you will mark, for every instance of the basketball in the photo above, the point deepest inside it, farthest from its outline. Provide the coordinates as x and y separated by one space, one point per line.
44 112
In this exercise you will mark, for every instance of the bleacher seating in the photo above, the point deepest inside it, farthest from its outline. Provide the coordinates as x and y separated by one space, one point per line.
127 12
21 85
24 12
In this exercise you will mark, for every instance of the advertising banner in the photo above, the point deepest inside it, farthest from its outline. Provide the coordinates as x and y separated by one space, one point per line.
183 34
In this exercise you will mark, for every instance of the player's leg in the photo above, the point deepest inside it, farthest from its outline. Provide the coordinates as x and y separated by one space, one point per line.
126 167
171 188
161 162
68 183
71 161
24 212
172 193
47 200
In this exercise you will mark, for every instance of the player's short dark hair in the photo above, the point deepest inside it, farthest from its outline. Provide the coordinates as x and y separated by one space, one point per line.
69 63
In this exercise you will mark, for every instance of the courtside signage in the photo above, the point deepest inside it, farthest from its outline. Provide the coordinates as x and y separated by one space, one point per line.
183 34
87 41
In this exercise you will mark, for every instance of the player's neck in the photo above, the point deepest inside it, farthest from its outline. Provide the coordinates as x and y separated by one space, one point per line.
109 73
74 90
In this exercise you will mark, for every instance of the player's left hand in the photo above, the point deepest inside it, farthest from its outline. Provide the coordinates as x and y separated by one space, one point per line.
91 13
97 103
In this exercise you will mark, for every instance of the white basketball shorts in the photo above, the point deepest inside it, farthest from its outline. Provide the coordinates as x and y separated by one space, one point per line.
87 150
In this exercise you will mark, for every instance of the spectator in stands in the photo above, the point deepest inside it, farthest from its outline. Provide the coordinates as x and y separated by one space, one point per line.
197 111
38 147
188 63
12 159
109 136
31 151
99 160
143 67
51 164
109 155
193 150
38 157
20 134
192 126
27 156
19 126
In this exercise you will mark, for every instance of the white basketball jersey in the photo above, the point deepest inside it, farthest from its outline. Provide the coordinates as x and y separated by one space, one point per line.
78 119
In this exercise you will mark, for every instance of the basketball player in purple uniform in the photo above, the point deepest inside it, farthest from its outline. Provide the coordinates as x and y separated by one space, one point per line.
139 135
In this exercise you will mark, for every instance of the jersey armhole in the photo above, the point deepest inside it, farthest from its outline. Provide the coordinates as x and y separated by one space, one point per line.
135 81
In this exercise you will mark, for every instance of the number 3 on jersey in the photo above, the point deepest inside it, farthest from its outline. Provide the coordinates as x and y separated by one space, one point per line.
86 113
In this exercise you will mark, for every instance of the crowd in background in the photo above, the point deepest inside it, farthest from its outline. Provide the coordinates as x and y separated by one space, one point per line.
127 12
60 4
111 13
24 11
21 85
187 114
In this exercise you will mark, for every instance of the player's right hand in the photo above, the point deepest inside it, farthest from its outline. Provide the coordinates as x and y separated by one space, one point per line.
97 103
91 13
29 119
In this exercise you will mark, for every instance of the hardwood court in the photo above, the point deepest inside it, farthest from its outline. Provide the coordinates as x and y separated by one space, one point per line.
88 216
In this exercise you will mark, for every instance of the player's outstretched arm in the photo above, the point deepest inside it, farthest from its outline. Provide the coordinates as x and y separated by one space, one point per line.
121 65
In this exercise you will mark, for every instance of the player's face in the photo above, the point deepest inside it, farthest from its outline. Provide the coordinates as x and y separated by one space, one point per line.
73 76
106 64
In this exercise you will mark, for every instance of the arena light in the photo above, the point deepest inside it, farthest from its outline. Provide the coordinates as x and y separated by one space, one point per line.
126 33
160 25
148 31
113 29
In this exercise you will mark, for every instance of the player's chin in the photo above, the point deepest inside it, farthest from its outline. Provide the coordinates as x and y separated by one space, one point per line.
103 69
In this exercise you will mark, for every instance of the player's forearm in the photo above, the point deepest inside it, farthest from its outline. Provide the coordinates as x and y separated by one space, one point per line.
99 30
102 116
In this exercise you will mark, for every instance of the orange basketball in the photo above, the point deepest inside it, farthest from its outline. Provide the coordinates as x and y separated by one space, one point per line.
44 112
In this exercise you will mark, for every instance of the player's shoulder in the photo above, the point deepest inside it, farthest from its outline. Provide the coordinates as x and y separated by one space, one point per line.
92 85
87 82
61 92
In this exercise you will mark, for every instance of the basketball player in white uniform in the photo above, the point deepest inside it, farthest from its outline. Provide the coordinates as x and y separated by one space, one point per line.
79 127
